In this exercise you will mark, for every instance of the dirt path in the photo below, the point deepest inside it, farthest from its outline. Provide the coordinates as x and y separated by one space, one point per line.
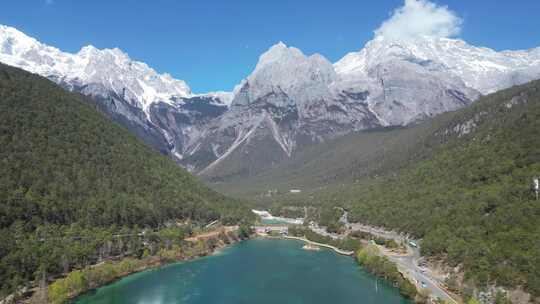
344 252
211 234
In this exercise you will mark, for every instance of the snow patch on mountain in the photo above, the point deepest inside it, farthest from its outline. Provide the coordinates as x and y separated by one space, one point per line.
218 97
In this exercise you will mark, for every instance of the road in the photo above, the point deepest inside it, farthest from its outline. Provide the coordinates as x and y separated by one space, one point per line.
213 233
407 264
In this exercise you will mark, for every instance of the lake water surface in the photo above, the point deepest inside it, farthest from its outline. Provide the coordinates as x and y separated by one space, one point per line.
273 221
256 271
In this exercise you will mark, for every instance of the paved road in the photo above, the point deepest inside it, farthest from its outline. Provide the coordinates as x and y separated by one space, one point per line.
322 231
407 264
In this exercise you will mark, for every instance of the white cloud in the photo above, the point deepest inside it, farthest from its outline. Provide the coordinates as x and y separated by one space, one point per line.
420 18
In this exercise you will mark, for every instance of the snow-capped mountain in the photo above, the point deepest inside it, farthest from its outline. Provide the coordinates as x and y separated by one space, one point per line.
290 100
287 69
480 68
287 101
106 70
124 88
420 77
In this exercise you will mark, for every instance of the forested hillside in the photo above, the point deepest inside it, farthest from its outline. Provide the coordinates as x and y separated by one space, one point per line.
471 202
68 170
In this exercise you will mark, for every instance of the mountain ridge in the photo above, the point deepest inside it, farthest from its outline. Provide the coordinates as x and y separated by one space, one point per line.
290 99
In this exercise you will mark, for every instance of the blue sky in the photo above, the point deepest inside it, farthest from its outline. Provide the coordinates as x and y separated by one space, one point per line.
213 44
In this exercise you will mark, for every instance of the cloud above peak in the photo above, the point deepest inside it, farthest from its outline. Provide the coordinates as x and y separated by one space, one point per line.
420 18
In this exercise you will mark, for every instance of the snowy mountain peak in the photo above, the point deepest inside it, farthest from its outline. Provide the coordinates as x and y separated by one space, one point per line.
88 50
286 70
278 52
99 71
480 68
13 41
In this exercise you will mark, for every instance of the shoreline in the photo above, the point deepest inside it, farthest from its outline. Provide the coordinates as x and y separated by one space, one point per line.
352 255
335 249
254 237
157 264
150 263
154 265
327 246
151 267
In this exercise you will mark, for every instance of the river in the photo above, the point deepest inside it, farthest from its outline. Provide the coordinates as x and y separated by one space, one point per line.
255 271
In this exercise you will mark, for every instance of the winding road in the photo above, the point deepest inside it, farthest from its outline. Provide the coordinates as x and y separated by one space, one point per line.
407 264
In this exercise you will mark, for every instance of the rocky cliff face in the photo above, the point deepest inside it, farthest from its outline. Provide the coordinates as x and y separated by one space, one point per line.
290 100
184 122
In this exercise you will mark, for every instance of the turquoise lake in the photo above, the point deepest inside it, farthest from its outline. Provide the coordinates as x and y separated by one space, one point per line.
266 221
255 271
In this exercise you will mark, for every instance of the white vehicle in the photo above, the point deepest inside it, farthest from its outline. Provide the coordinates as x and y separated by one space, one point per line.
413 244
